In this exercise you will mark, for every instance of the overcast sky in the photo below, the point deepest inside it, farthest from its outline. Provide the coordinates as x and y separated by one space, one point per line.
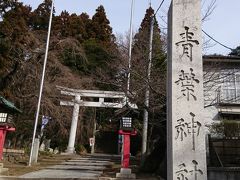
223 24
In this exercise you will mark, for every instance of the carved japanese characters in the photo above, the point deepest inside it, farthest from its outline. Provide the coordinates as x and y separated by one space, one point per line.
184 172
187 82
187 43
186 128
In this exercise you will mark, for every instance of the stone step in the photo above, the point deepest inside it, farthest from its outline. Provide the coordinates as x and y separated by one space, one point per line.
73 167
85 160
62 174
88 163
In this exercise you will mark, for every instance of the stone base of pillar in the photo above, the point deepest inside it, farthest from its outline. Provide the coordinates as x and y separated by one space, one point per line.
70 150
125 173
2 169
36 145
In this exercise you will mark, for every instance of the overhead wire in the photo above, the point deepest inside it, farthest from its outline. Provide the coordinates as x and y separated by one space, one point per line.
160 5
225 46
216 40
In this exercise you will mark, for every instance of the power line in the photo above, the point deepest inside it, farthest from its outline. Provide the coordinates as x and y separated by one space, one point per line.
202 30
216 40
159 7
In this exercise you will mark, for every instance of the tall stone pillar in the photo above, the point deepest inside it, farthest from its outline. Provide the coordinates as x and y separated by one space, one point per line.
72 136
186 133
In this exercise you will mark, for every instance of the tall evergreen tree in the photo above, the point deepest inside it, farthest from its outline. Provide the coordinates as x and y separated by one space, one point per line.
100 27
86 28
140 56
15 39
40 16
61 24
7 5
141 40
77 26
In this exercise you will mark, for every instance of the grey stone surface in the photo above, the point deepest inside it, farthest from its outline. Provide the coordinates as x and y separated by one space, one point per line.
125 173
93 159
2 169
186 133
58 174
35 150
125 176
77 167
88 163
88 160
71 169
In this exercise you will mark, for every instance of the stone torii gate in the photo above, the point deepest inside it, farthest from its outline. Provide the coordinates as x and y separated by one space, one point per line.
106 99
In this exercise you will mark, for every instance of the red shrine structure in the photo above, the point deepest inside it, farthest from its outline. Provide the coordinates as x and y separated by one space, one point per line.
7 111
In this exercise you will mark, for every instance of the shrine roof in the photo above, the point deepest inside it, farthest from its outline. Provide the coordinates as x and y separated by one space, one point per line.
221 58
9 105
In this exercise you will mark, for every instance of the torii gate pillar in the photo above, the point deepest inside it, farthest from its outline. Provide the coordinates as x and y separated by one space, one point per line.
72 136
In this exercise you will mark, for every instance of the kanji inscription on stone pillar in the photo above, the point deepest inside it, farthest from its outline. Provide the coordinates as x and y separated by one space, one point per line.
186 134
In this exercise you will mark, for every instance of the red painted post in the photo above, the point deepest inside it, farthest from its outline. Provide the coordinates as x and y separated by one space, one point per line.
126 151
126 147
2 139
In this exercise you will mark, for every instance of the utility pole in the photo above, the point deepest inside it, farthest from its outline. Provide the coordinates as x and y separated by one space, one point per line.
146 103
130 49
129 61
41 85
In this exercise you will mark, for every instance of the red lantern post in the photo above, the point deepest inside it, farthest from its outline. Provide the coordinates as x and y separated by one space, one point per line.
127 131
126 146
